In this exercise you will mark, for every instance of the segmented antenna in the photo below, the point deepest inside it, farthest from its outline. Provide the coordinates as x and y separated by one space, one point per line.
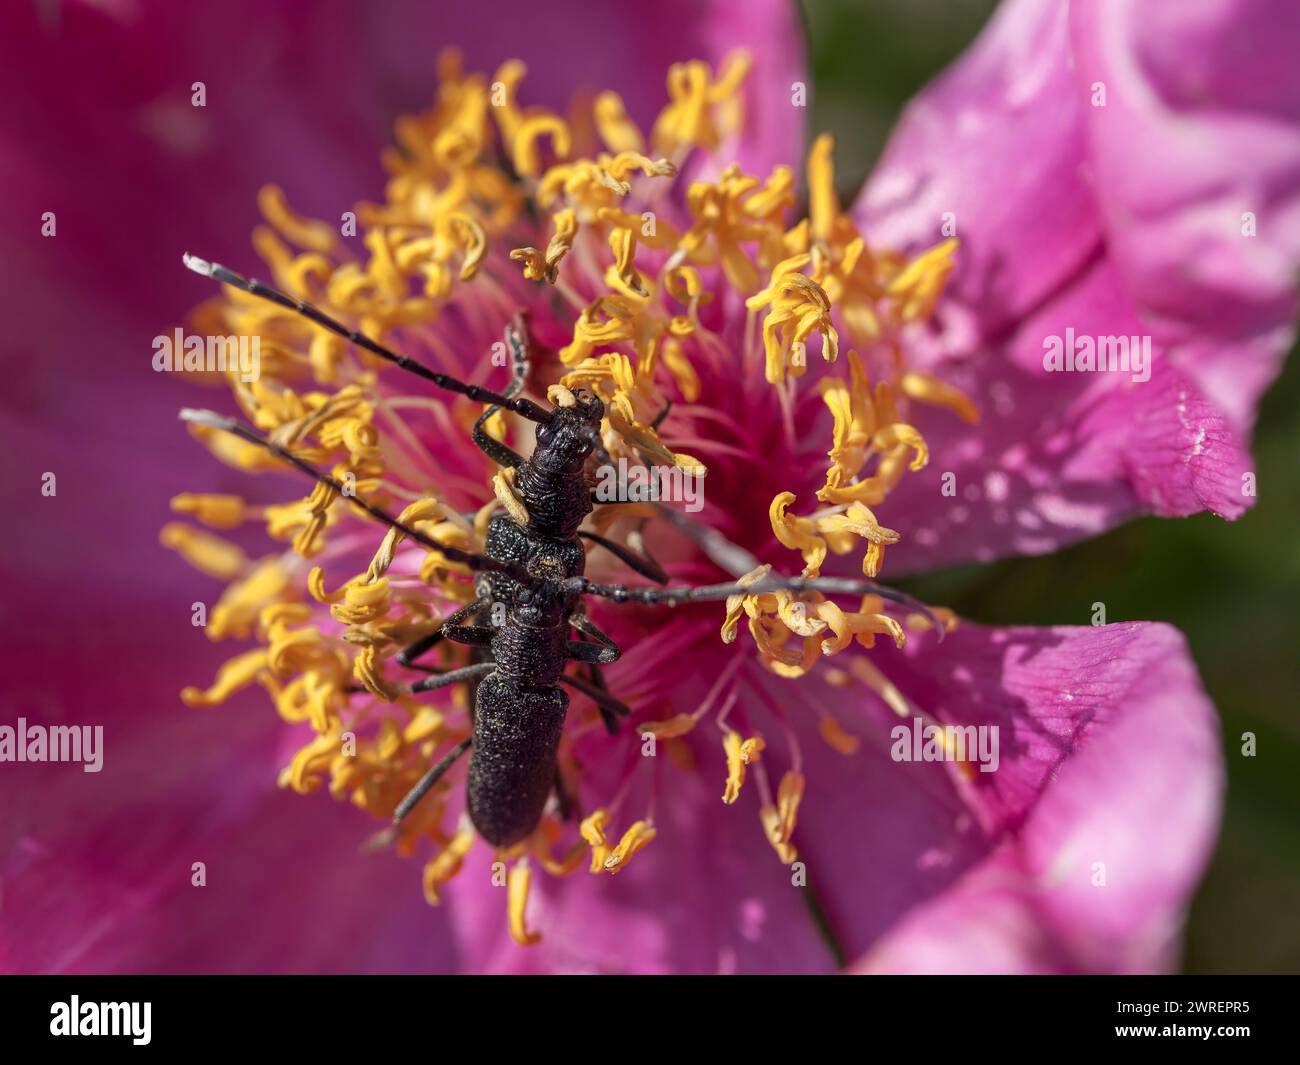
524 407
474 561
620 593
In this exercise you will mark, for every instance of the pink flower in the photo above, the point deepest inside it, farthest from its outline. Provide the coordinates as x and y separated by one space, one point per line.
1078 853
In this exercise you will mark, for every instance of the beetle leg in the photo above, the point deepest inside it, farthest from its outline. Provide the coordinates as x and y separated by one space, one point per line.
441 680
470 635
404 808
501 454
641 563
580 621
406 656
611 709
611 651
730 557
516 337
597 677
564 804
593 652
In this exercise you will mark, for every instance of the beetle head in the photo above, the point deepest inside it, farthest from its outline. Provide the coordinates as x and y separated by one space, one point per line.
571 433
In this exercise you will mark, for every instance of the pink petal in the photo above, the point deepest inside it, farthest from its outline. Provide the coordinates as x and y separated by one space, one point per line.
96 868
304 97
1123 220
997 140
1059 456
1109 752
1199 127
572 46
707 895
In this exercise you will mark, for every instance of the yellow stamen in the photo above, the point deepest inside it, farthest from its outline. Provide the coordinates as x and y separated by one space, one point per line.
617 130
518 882
305 772
314 236
858 521
215 511
636 837
367 669
538 267
779 820
237 610
561 396
670 728
823 205
420 511
239 672
445 865
206 553
837 737
527 158
799 308
543 839
503 486
702 111
592 830
926 388
919 284
740 753
796 533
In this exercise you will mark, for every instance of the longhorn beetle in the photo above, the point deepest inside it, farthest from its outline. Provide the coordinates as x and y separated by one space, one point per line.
536 569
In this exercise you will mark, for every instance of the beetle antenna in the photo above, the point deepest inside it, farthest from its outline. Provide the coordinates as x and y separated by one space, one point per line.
474 561
524 407
621 593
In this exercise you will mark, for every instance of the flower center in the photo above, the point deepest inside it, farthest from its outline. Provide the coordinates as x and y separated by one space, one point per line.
712 298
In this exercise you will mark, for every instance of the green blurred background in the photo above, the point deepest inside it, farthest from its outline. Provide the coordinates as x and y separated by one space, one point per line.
1231 587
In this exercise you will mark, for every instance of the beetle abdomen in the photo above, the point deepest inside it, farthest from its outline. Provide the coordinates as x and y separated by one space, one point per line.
512 761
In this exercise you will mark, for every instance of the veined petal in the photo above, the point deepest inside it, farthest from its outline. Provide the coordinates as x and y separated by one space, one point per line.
1098 169
1108 752
1196 157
